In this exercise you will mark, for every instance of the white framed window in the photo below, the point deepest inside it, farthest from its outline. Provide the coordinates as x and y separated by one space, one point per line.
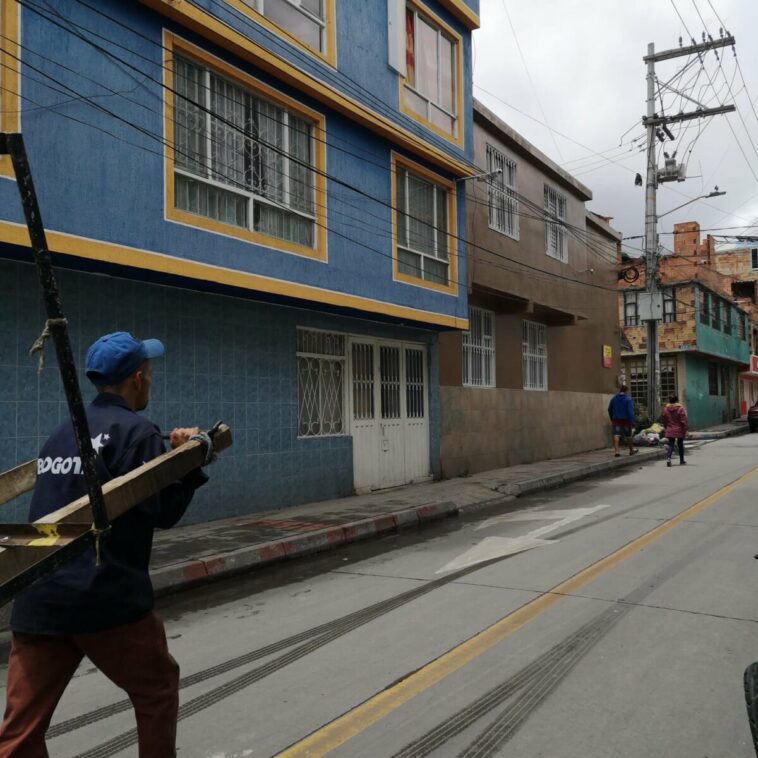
669 305
534 355
422 228
320 383
431 60
304 19
631 310
754 257
556 236
503 198
479 349
241 159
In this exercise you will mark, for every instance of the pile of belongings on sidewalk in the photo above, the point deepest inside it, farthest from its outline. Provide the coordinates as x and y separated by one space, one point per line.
649 437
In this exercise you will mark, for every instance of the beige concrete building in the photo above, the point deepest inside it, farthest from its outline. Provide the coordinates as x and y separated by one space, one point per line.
532 377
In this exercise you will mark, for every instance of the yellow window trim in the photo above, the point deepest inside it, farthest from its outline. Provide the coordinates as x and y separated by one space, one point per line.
462 12
10 102
329 56
149 260
171 44
451 288
209 27
458 138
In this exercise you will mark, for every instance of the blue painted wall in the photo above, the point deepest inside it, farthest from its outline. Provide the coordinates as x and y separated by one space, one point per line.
226 358
703 409
100 178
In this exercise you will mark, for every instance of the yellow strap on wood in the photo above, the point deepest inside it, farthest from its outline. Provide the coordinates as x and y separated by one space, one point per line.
51 535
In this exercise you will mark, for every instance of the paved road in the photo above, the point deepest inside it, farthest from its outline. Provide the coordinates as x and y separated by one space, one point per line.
611 618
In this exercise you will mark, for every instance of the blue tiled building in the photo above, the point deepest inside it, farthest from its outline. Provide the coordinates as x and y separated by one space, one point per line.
271 187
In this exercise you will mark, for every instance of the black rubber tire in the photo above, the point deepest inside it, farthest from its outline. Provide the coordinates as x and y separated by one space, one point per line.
751 700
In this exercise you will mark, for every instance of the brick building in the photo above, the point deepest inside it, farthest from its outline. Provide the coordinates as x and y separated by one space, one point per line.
705 337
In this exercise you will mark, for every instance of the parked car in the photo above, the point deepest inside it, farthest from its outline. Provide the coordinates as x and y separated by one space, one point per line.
752 418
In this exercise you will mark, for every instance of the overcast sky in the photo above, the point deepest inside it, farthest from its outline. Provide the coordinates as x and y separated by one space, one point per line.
582 74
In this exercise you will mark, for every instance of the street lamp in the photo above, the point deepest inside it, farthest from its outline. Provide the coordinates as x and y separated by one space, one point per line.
715 193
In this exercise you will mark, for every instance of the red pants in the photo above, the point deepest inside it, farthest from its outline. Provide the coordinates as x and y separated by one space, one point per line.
134 656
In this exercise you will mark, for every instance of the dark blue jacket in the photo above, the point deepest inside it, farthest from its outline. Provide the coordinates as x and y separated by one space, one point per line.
81 597
621 408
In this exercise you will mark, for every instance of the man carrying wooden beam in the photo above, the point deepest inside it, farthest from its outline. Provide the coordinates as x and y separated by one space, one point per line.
100 605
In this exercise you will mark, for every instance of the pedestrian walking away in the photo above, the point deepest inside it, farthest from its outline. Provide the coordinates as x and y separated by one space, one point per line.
674 419
621 414
101 606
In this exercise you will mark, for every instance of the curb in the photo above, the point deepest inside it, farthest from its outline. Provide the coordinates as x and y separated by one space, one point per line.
718 435
179 576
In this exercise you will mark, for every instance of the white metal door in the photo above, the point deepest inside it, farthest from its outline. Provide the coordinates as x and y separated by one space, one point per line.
391 417
389 413
363 414
416 414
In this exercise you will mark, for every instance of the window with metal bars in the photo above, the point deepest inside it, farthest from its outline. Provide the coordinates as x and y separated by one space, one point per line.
635 377
503 198
422 228
320 383
534 355
304 19
668 379
556 236
241 159
479 349
705 307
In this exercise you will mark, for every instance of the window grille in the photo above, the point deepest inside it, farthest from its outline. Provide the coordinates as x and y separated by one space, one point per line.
534 355
422 228
479 349
754 257
635 377
414 383
668 379
556 237
321 383
240 159
503 199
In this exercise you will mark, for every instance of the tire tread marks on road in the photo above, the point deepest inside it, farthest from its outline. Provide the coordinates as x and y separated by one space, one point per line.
314 639
538 677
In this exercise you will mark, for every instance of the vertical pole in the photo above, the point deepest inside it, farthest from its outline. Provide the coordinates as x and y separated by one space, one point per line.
13 144
651 244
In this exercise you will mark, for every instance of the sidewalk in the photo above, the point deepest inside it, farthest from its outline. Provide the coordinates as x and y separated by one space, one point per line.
188 555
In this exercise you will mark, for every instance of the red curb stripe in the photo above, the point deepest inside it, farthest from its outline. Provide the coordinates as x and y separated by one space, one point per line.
194 571
215 565
384 523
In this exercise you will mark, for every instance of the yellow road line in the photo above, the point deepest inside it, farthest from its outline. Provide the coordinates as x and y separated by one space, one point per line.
351 724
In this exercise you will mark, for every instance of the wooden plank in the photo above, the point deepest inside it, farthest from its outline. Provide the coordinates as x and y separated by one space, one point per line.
120 494
40 535
16 481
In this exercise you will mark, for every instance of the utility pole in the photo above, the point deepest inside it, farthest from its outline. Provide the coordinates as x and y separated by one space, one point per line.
651 306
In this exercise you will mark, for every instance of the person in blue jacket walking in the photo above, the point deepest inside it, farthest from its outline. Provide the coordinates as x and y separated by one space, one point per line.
100 609
621 413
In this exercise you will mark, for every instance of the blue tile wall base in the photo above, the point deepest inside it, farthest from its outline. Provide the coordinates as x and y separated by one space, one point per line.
226 358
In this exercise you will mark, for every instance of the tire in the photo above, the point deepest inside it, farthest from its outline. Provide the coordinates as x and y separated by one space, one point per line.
751 700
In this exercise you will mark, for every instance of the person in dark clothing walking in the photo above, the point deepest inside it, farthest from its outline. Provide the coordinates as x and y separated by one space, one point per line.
104 610
621 413
674 428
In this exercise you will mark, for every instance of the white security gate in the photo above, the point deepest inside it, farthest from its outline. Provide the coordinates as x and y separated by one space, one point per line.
389 414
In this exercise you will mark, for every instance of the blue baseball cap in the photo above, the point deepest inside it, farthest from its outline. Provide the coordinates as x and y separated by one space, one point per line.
114 357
